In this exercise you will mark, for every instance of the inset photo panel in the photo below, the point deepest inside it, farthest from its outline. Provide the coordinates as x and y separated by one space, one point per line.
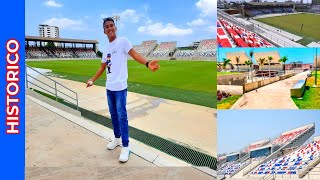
268 78
268 24
269 144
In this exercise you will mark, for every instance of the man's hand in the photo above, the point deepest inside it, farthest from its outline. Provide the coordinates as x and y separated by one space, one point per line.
153 65
89 83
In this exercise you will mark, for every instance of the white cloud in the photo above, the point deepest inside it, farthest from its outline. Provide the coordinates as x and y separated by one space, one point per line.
128 15
207 7
65 23
158 29
198 22
52 3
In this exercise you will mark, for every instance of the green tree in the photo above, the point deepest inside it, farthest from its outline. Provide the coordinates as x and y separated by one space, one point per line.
248 63
283 60
50 45
225 63
99 54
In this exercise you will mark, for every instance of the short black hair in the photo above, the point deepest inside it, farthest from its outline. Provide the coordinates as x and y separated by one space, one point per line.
108 19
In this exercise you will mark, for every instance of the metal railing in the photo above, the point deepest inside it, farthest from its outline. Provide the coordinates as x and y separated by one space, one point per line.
310 169
47 88
268 176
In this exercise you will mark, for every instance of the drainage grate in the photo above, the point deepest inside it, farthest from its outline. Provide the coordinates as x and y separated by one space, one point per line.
181 152
176 150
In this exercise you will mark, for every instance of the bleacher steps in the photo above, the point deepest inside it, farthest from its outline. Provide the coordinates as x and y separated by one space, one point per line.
310 167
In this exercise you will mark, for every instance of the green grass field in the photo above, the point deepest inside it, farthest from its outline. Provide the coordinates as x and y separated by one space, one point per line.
292 23
186 81
311 97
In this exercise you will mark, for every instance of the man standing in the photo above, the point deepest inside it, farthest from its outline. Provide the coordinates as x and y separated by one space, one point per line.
117 75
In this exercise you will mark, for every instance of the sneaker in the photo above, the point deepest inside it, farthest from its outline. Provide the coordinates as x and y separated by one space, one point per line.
114 143
124 156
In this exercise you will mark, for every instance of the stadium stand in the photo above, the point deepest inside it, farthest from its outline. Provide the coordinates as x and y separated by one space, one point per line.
38 48
292 162
164 49
315 9
262 157
231 167
146 47
241 37
185 53
44 48
256 145
207 48
253 9
47 52
288 136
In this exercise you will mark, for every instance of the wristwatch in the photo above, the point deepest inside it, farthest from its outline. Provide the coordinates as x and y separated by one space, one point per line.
147 64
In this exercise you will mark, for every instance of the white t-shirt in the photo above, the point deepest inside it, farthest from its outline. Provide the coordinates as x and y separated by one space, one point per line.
116 57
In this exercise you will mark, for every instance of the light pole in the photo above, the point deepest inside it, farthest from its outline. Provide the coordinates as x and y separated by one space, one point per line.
116 18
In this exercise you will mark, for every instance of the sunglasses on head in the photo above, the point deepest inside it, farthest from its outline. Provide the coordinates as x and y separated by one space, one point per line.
108 19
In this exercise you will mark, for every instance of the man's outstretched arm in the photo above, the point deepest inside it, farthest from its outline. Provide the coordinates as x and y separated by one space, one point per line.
152 65
97 75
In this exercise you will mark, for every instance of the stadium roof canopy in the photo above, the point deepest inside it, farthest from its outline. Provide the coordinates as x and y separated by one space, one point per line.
269 3
61 40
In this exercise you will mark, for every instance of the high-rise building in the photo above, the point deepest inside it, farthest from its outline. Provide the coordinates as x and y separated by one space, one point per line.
48 31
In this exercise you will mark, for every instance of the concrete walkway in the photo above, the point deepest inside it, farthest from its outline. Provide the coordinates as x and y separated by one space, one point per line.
191 125
232 89
57 148
273 96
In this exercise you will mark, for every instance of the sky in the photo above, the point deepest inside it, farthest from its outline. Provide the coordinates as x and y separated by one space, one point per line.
184 21
305 55
304 1
239 128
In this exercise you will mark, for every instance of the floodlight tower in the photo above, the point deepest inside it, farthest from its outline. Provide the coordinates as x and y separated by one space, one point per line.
116 18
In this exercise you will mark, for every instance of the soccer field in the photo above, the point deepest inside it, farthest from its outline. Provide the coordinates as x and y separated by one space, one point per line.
292 23
187 81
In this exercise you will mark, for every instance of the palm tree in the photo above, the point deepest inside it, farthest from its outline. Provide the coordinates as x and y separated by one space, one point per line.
270 58
283 60
238 60
225 63
261 63
249 63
